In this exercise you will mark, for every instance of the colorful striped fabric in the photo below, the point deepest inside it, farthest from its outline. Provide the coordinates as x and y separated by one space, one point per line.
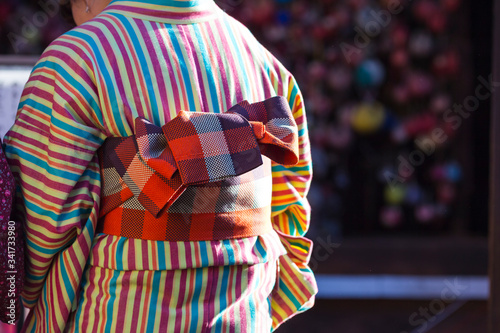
150 59
230 294
208 299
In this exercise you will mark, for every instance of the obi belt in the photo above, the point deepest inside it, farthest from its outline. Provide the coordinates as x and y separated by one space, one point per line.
199 177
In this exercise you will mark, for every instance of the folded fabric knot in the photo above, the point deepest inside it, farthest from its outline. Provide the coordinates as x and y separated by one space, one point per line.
275 123
155 165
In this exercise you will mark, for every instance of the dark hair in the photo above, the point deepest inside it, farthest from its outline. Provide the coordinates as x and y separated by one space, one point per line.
66 13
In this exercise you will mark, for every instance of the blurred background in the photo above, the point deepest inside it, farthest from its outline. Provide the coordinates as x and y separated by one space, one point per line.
397 95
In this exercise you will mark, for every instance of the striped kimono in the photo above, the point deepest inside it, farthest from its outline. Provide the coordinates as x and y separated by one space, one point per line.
151 59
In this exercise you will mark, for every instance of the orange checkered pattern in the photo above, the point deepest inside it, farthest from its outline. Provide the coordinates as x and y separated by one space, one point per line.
197 177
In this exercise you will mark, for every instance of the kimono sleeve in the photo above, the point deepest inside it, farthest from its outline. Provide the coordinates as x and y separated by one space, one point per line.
51 150
296 288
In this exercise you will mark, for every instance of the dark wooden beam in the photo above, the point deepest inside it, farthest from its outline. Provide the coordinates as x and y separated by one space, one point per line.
494 219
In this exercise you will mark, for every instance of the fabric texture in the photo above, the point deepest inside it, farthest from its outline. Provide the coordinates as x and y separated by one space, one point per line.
194 148
149 59
221 298
11 248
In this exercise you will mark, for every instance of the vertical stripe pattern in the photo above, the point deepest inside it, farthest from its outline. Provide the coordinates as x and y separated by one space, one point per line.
229 299
150 59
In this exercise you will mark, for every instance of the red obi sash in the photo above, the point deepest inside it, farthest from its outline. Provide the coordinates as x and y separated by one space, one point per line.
199 177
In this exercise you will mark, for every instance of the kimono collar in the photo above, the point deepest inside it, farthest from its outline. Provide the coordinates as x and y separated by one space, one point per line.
166 11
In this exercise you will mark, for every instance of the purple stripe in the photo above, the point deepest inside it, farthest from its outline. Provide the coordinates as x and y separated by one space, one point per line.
221 63
243 297
187 38
72 103
175 91
232 299
233 70
105 249
165 304
208 302
65 233
40 93
174 254
122 305
100 312
213 295
131 253
123 58
136 303
76 260
52 295
180 301
34 313
188 257
70 62
161 14
72 44
277 70
150 50
34 126
28 128
249 60
146 257
87 295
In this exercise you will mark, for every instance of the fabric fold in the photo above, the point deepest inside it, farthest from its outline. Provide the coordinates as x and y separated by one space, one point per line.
274 120
210 147
156 164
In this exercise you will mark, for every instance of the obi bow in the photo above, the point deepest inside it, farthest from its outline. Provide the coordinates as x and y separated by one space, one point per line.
157 163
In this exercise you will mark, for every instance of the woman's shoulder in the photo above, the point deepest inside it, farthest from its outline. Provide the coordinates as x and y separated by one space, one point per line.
77 48
259 52
78 40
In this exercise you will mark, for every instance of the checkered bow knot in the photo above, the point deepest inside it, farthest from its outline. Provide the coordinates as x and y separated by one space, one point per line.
157 164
